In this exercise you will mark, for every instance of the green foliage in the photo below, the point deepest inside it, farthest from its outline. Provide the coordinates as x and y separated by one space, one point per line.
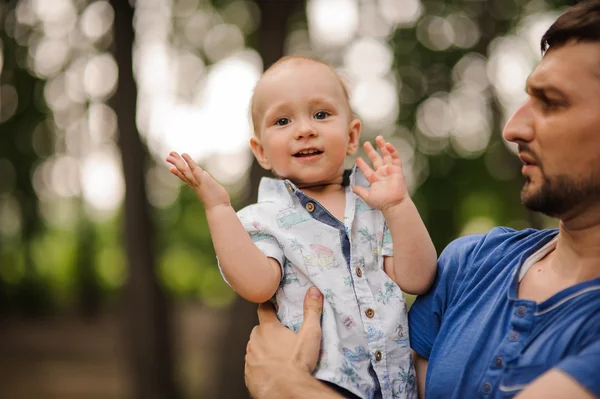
45 267
188 264
459 191
21 129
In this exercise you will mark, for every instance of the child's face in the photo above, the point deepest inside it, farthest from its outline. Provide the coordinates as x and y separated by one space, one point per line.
304 126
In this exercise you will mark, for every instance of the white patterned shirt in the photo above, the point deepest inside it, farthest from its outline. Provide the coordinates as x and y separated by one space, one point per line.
364 316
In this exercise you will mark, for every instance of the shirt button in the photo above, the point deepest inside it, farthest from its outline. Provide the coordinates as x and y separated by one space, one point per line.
289 187
310 206
498 362
370 313
378 355
358 272
487 387
513 336
521 311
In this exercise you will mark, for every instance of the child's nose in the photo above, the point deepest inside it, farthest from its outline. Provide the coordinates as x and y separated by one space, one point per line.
305 129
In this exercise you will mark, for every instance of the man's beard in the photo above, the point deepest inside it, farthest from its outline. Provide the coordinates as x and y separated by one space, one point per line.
560 194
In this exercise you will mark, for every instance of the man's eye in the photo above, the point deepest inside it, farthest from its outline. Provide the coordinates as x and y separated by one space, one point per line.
282 121
321 115
548 104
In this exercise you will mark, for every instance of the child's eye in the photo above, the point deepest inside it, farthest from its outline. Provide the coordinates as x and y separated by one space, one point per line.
321 115
282 121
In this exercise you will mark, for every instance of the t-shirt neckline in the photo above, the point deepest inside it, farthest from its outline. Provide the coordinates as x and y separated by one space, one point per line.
560 297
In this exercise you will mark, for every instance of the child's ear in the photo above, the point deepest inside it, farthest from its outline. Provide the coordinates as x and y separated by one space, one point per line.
259 152
353 136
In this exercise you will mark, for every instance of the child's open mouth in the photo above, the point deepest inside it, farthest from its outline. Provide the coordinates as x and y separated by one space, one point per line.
307 153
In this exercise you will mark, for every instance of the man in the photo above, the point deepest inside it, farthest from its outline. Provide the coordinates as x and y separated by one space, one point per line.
511 314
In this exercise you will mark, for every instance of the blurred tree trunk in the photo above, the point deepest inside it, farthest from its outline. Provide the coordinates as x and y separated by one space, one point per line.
273 29
146 313
89 292
32 294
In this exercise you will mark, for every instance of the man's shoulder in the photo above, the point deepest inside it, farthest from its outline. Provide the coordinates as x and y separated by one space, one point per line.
498 249
499 238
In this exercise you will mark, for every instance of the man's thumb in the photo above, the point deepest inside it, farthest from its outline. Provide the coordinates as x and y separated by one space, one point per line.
309 336
313 305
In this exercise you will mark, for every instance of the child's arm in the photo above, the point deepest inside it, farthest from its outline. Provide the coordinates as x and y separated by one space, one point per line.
250 273
413 265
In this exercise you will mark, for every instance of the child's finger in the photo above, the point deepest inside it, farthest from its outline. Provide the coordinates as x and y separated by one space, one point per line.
180 175
174 157
181 169
394 154
189 160
362 192
385 154
177 168
194 168
186 174
373 155
364 168
175 160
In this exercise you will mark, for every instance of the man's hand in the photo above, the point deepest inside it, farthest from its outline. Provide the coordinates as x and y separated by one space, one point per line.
274 352
210 192
386 178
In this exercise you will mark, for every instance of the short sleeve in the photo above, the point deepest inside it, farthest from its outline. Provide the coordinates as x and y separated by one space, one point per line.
260 235
426 314
387 247
262 238
583 367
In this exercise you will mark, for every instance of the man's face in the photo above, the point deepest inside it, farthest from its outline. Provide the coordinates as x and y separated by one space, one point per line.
558 131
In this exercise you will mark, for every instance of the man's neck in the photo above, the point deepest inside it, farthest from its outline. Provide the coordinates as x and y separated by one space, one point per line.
574 259
577 252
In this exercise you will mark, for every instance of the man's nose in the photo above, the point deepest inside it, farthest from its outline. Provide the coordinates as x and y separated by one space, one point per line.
520 126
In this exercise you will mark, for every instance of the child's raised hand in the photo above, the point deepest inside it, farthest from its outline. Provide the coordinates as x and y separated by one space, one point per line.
385 177
210 192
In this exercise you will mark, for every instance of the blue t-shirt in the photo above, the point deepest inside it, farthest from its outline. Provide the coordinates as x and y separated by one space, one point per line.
482 341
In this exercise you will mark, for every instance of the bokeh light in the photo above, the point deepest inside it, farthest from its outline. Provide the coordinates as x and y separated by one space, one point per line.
404 13
367 57
195 76
96 20
102 180
332 22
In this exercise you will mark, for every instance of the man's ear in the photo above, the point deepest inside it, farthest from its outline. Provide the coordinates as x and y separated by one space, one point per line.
353 136
259 152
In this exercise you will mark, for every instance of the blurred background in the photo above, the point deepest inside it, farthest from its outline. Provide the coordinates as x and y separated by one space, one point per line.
108 281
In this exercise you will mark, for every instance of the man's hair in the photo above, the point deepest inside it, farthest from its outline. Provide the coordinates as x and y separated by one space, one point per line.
580 23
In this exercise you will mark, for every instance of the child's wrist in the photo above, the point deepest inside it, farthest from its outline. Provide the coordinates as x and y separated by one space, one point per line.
396 209
218 208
